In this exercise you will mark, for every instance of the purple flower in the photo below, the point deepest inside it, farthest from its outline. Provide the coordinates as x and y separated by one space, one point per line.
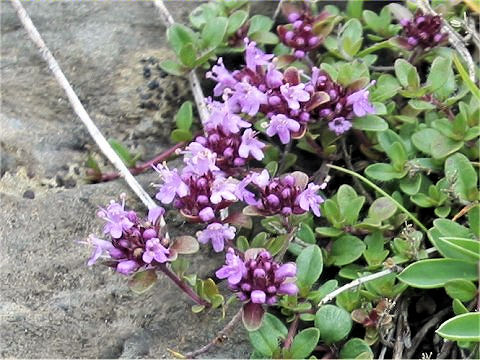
255 57
102 246
282 126
172 185
261 179
288 289
294 94
223 189
155 213
127 267
251 146
222 76
258 297
234 269
247 98
309 199
199 159
155 251
339 125
222 116
243 194
116 217
359 100
286 270
217 234
273 78
206 214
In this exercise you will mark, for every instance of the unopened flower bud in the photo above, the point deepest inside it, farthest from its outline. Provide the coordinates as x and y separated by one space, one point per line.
239 161
298 24
292 17
259 273
273 200
299 54
149 234
202 199
258 297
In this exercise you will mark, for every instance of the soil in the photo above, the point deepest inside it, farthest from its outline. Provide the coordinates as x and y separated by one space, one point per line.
51 304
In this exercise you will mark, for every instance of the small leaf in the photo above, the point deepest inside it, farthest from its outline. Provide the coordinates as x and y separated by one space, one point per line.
305 233
309 266
304 343
436 78
333 322
328 231
265 339
173 68
470 249
465 327
184 116
460 172
236 20
411 185
370 123
179 35
142 281
179 135
384 172
382 209
185 245
434 273
263 37
407 74
350 203
458 307
461 289
259 23
188 55
355 347
347 249
252 316
213 33
197 308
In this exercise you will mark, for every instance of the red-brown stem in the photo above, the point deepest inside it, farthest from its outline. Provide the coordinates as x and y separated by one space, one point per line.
292 330
181 284
142 167
445 109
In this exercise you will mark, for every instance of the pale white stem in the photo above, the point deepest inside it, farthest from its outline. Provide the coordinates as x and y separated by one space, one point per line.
453 37
277 10
79 109
357 282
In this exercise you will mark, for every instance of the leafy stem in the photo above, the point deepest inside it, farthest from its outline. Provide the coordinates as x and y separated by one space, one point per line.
378 189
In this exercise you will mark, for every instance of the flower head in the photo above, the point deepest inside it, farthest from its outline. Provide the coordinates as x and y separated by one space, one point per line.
294 94
223 189
247 98
254 56
339 125
117 219
309 199
172 186
360 103
251 146
155 251
222 116
273 77
199 160
282 126
222 76
422 31
217 234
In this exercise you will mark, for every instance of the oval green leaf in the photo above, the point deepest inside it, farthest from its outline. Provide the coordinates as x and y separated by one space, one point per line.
309 266
346 249
465 327
333 322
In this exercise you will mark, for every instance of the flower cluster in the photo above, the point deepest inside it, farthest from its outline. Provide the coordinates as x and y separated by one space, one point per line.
423 31
285 195
300 34
258 278
132 242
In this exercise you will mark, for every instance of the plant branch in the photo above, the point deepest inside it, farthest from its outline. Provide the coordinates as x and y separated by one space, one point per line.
292 330
219 338
376 188
144 166
77 106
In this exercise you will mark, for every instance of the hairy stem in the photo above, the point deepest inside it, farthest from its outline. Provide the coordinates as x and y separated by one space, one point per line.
183 286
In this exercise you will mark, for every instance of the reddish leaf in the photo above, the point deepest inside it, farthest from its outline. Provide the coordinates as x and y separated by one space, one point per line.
291 76
318 98
252 316
185 245
239 219
251 211
142 281
301 179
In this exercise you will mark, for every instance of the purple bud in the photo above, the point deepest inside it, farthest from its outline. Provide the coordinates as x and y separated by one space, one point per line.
333 94
274 100
288 289
246 287
325 112
258 297
412 41
124 243
294 113
289 35
273 200
305 116
307 28
253 264
214 138
267 266
132 216
294 16
284 271
202 199
288 180
127 267
149 234
206 214
272 300
437 38
338 107
420 19
313 41
287 211
201 140
259 273
309 88
300 41
404 22
272 289
242 296
298 24
286 193
239 161
178 204
265 255
202 183
228 152
262 87
299 54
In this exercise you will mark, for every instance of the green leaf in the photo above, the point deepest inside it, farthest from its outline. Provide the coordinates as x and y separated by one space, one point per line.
173 67
259 23
466 79
350 203
474 219
382 209
465 327
461 289
328 231
370 123
470 249
122 152
184 116
304 343
236 20
203 14
332 212
142 281
411 185
421 105
179 35
434 273
346 249
326 288
384 172
436 78
354 8
333 322
460 172
375 253
458 307
407 74
179 135
264 37
265 339
213 33
305 233
387 86
309 266
349 300
432 142
398 156
355 347
352 37
188 55
242 243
